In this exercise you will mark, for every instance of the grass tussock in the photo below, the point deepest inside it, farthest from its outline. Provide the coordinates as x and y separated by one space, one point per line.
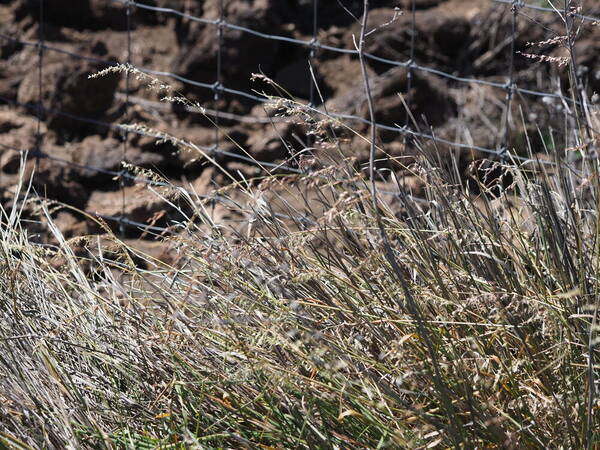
299 333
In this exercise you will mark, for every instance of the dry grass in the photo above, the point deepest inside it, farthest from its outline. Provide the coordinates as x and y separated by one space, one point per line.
300 334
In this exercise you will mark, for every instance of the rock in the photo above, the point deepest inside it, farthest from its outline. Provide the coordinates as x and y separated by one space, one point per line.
69 225
157 251
242 53
12 68
112 15
275 143
212 178
299 14
141 205
587 53
487 178
406 5
440 41
488 54
232 220
59 12
295 78
427 98
341 73
8 46
463 37
51 180
411 184
10 162
107 154
66 88
94 151
241 171
203 185
189 160
86 14
58 182
9 84
19 131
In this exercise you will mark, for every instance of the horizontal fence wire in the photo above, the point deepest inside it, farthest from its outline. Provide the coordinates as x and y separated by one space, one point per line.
307 43
302 219
312 44
521 4
226 201
267 164
262 99
284 167
167 107
205 149
351 117
316 44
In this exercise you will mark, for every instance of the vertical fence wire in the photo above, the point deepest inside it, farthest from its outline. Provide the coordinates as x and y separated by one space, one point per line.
124 132
313 47
504 145
218 84
310 139
217 87
577 89
40 106
410 66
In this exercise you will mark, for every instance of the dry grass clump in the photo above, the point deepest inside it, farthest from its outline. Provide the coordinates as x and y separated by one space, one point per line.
301 334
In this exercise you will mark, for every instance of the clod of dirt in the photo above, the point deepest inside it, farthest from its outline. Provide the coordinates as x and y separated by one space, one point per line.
66 88
427 98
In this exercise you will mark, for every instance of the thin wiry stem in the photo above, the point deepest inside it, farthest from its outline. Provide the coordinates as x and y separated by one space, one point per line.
389 252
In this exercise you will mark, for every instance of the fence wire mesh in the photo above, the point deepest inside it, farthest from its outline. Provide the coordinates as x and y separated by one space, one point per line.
219 88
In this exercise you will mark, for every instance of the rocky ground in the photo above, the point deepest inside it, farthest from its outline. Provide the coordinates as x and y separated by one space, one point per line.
467 38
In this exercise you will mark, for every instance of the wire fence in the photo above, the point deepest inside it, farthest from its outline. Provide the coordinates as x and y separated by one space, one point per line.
218 88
